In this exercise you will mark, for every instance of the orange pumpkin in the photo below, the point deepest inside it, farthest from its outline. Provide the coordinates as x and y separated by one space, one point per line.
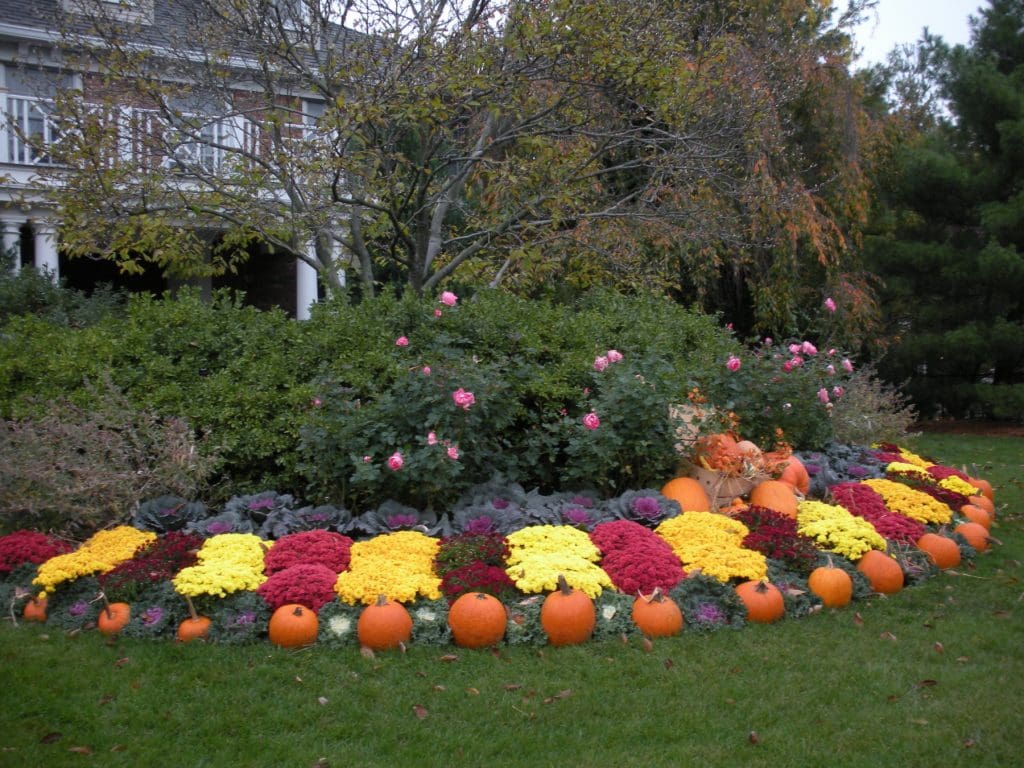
384 625
941 550
195 627
882 572
477 620
657 615
985 503
35 609
976 514
777 495
833 585
689 493
292 626
795 474
567 615
976 535
984 486
763 601
114 617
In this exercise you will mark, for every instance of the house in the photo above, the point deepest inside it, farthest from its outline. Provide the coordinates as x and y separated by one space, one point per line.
33 70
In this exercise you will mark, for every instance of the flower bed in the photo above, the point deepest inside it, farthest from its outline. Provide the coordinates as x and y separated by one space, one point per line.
508 545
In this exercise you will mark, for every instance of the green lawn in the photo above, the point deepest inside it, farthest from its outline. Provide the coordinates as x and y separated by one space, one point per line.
932 676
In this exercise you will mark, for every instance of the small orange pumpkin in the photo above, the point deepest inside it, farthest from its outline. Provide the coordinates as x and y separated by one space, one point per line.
195 627
384 625
976 514
777 495
292 626
984 486
833 585
567 615
716 451
689 493
941 550
477 620
35 609
114 617
976 535
657 615
795 474
882 572
762 599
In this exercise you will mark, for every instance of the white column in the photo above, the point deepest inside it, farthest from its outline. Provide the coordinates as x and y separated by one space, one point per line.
46 248
305 285
11 240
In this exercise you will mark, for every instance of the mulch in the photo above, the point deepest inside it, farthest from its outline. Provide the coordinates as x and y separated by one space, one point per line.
971 427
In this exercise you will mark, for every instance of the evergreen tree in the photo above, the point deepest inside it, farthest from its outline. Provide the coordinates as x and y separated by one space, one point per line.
949 237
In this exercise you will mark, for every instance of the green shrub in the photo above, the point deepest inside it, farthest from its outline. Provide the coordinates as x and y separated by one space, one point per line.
1001 401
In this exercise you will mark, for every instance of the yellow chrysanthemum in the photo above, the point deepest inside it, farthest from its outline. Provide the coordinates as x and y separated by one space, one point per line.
101 553
917 505
227 563
837 530
399 565
713 543
540 554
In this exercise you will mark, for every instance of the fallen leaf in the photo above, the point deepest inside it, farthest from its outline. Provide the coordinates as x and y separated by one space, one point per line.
322 701
104 700
794 592
367 653
939 647
926 683
730 701
858 620
888 636
321 763
472 691
647 645
963 659
122 661
420 710
892 697
669 663
80 750
439 687
449 657
401 647
918 721
513 686
753 738
421 674
118 748
51 737
298 679
563 694
970 743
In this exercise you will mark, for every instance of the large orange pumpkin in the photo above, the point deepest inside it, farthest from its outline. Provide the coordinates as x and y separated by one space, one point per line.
833 585
689 493
384 625
762 599
292 626
777 495
941 550
114 617
984 486
35 609
795 474
657 614
976 535
882 572
567 615
477 620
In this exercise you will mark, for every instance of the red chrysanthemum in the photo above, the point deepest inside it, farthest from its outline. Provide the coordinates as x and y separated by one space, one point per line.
317 547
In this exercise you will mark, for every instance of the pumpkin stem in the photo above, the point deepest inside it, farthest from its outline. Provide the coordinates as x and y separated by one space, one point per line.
762 586
563 585
657 596
381 600
191 609
298 610
106 603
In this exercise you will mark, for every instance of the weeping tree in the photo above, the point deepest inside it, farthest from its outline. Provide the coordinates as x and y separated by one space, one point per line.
407 140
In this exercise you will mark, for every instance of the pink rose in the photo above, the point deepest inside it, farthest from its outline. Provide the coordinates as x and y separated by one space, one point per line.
316 402
733 363
794 349
847 365
438 313
401 341
614 356
787 366
767 341
453 452
830 369
601 362
797 361
823 395
367 459
463 399
431 438
395 461
448 299
830 305
837 391
590 421
832 351
426 370
808 349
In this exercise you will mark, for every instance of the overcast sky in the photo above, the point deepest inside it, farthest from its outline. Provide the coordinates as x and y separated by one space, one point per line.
895 22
